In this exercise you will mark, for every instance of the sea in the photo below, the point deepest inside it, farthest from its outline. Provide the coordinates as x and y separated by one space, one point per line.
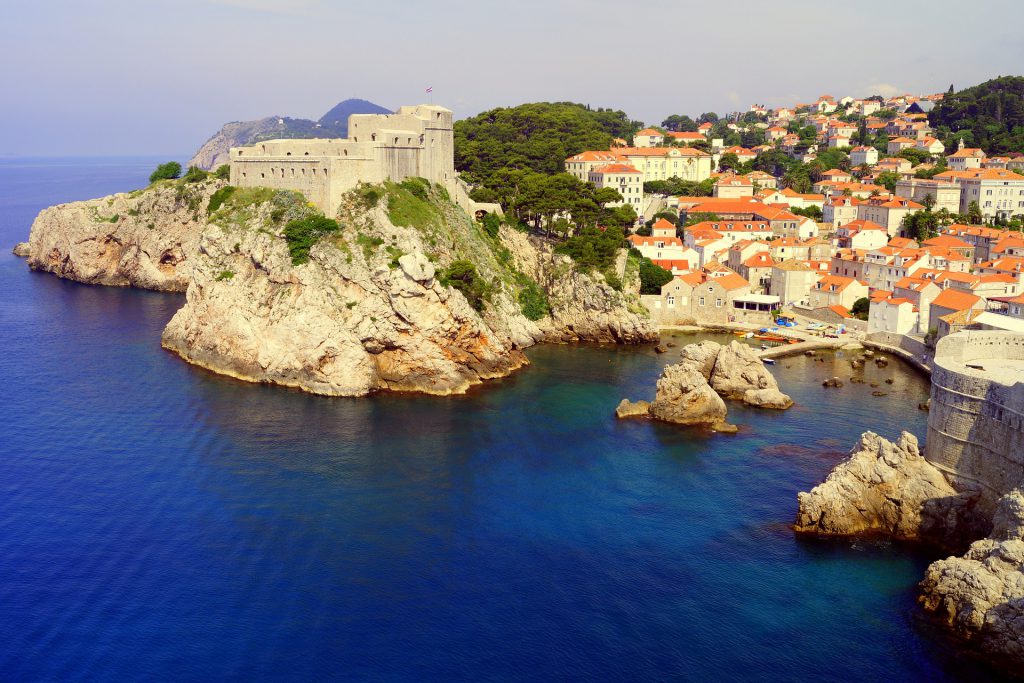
161 523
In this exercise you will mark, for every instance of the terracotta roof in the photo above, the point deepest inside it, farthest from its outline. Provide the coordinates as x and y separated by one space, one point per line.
640 240
840 311
731 281
614 168
955 299
649 131
950 242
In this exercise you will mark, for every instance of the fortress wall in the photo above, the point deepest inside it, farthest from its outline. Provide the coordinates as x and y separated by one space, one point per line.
976 421
308 175
417 141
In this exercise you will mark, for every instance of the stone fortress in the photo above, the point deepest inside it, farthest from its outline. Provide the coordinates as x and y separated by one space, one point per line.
976 419
416 141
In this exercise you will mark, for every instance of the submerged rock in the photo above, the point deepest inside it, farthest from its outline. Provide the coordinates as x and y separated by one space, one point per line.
627 408
889 488
980 596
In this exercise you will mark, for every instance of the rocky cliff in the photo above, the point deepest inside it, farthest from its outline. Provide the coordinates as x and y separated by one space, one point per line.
888 488
406 293
141 239
980 596
583 307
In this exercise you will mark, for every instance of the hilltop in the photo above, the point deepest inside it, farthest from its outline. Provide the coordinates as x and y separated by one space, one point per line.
989 115
333 124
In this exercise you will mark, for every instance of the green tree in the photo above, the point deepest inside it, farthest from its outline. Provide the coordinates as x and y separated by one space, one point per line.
680 123
534 137
916 156
729 162
813 212
168 171
652 277
223 172
700 217
860 308
888 180
974 216
195 175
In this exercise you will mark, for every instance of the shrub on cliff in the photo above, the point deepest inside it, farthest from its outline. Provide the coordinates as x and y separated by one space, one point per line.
533 301
194 174
168 171
462 275
303 233
218 198
223 172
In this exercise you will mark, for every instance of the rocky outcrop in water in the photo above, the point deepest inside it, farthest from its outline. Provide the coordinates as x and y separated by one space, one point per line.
980 596
332 326
691 391
684 397
140 239
739 374
888 488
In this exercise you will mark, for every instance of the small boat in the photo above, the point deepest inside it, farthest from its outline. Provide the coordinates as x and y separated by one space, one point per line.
768 361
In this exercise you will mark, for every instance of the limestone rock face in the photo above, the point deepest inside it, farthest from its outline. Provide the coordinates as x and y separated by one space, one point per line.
739 374
702 356
583 306
889 488
767 398
685 397
331 326
142 239
980 596
21 249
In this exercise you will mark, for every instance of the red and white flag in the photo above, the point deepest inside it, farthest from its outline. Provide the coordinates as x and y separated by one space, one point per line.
430 89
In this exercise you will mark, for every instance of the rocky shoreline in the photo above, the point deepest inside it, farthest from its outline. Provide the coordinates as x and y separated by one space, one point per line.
368 309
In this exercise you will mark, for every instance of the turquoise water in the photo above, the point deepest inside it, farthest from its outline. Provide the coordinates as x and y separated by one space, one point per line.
160 522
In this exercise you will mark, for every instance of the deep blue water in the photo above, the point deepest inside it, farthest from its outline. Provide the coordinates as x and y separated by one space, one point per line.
159 522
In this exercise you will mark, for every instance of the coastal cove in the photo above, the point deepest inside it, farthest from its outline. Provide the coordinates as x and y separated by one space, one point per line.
157 519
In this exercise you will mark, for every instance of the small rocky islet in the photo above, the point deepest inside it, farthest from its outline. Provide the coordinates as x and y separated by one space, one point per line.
691 392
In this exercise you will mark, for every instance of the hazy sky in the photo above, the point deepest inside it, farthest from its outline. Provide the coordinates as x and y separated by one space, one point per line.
144 77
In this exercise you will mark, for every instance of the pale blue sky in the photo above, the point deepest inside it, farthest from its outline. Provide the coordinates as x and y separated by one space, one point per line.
142 77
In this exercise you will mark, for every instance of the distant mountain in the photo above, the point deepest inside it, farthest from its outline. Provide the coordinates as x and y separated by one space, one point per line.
338 116
333 124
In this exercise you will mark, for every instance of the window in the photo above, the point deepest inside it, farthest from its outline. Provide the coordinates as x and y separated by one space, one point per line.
718 303
701 301
671 300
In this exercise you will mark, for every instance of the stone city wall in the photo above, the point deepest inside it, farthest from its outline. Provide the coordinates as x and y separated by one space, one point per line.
976 421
